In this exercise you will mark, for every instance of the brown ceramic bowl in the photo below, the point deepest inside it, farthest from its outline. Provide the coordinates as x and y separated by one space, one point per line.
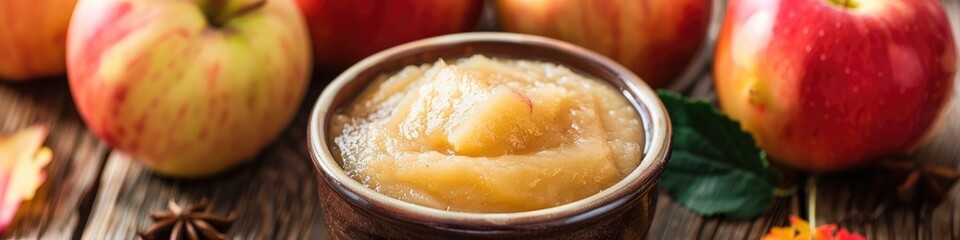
623 211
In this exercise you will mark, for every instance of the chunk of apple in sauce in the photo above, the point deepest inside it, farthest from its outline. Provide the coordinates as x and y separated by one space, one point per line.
505 122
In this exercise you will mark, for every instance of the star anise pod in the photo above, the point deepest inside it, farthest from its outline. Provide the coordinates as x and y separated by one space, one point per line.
194 222
916 178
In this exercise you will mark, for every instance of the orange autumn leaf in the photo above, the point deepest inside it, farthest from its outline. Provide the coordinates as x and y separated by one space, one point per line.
799 229
22 158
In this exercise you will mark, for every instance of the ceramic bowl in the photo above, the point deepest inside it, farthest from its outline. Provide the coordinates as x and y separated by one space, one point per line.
623 211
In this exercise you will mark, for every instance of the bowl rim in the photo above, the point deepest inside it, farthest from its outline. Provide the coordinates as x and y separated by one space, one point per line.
658 140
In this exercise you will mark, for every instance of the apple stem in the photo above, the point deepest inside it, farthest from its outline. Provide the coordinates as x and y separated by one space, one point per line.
218 18
213 8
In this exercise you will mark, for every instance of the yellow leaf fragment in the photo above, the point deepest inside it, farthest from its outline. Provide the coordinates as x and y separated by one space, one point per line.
22 159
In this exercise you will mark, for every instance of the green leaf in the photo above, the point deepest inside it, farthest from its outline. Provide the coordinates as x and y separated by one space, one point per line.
716 168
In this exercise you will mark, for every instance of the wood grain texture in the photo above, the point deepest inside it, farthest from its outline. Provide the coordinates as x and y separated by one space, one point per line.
274 195
93 193
78 156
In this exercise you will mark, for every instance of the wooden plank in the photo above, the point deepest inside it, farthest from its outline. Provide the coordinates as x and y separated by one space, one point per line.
856 202
78 156
274 195
776 215
672 221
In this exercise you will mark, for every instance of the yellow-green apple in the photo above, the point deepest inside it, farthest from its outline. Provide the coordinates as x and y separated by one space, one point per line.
189 87
33 37
344 32
654 38
829 84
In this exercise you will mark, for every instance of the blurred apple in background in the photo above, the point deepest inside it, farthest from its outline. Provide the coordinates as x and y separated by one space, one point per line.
655 38
33 37
189 87
344 32
829 84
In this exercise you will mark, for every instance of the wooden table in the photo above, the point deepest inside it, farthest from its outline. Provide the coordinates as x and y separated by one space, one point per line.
93 192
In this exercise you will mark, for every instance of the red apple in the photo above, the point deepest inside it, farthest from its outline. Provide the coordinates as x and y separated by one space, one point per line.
33 37
191 88
654 38
829 84
344 32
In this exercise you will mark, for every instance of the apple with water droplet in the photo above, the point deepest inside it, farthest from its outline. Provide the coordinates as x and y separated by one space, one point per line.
191 88
831 84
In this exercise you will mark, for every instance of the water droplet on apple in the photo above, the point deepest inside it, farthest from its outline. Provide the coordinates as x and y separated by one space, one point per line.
846 70
820 33
808 48
806 30
856 89
837 24
823 57
791 14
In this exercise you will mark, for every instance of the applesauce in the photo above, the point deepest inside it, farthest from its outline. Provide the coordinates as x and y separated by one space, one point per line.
488 135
